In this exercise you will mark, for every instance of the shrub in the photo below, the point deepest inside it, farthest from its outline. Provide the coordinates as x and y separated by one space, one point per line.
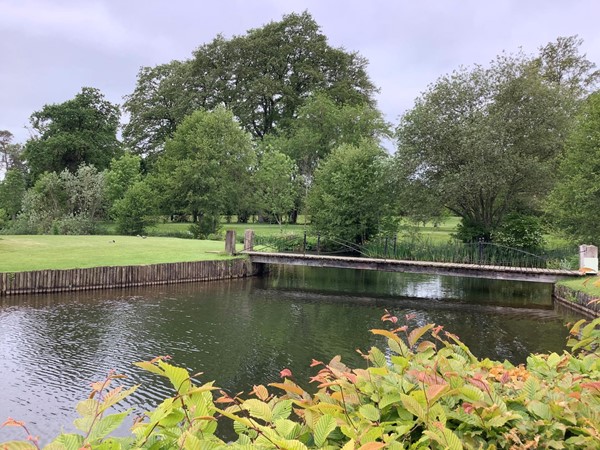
424 390
520 231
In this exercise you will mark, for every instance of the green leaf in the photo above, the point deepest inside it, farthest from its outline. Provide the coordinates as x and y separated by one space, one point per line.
179 377
69 441
258 409
324 426
88 407
414 407
369 412
389 399
287 428
107 425
531 388
378 357
540 409
17 445
282 410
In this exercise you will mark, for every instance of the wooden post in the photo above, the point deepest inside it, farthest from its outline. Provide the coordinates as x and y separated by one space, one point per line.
230 242
588 258
249 240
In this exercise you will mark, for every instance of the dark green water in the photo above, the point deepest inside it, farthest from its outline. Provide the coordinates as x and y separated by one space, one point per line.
244 332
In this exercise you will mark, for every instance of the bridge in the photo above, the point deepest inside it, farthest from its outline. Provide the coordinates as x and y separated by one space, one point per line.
426 267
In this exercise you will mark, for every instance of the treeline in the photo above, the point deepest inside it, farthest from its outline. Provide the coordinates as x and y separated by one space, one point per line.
276 122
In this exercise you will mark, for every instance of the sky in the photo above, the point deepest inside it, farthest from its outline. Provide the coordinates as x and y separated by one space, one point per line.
50 49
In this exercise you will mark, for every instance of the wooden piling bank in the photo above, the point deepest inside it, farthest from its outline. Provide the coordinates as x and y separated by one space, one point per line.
44 281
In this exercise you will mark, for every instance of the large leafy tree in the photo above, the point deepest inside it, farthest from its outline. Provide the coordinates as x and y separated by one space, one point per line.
79 131
574 204
263 77
205 167
484 141
12 190
350 199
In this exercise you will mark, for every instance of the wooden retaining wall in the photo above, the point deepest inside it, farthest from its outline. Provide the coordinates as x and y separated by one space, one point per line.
42 281
577 300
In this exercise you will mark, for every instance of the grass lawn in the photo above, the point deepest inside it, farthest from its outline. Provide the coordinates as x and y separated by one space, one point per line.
23 253
590 285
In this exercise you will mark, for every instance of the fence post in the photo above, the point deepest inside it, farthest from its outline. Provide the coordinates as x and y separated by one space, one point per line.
230 242
395 241
481 251
249 240
318 243
588 258
304 244
385 247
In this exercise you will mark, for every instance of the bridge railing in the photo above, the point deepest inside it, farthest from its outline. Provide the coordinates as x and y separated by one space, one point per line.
481 253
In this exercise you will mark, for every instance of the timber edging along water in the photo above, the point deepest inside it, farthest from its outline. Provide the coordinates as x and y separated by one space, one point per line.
63 280
577 300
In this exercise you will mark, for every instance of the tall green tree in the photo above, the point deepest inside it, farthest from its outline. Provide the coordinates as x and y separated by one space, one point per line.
79 131
350 198
574 204
275 184
205 167
263 77
484 141
12 190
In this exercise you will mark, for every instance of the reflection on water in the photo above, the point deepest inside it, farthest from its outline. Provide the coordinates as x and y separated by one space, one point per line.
243 332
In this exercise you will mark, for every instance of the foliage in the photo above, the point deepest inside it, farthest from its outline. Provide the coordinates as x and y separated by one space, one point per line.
12 191
136 210
484 141
275 184
79 131
350 195
205 167
424 390
11 155
65 203
263 77
122 174
520 231
575 201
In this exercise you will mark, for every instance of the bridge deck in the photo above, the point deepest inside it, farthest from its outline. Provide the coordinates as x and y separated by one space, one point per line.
428 267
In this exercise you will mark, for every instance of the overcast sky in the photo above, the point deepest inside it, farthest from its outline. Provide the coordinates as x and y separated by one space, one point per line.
51 48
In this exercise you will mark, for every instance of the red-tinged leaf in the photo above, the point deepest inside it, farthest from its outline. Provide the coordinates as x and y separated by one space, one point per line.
468 407
416 334
288 387
592 385
224 400
10 422
314 363
410 316
425 345
261 392
402 328
372 446
285 373
479 383
386 333
434 391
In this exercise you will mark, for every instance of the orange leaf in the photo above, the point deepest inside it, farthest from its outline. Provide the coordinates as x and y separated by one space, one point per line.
289 387
372 446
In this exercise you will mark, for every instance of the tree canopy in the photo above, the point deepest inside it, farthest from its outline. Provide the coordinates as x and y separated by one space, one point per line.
484 141
263 77
350 197
205 167
79 131
575 200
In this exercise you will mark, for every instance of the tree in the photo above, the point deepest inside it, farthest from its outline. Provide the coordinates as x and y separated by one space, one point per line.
123 173
65 203
79 131
205 167
12 190
350 198
574 203
10 154
275 184
484 141
135 211
263 77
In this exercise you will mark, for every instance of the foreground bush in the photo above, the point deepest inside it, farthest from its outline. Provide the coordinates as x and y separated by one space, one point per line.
424 390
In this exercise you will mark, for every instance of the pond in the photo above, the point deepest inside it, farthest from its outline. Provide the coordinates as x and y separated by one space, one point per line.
243 332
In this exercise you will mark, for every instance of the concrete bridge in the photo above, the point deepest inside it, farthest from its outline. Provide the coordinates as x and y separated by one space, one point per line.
426 267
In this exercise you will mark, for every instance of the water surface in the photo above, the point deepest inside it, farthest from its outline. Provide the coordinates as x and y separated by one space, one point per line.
243 332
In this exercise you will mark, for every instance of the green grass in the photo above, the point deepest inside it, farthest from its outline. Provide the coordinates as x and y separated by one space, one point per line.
589 285
23 253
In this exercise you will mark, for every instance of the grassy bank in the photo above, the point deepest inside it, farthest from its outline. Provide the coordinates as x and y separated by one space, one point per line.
24 253
588 285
